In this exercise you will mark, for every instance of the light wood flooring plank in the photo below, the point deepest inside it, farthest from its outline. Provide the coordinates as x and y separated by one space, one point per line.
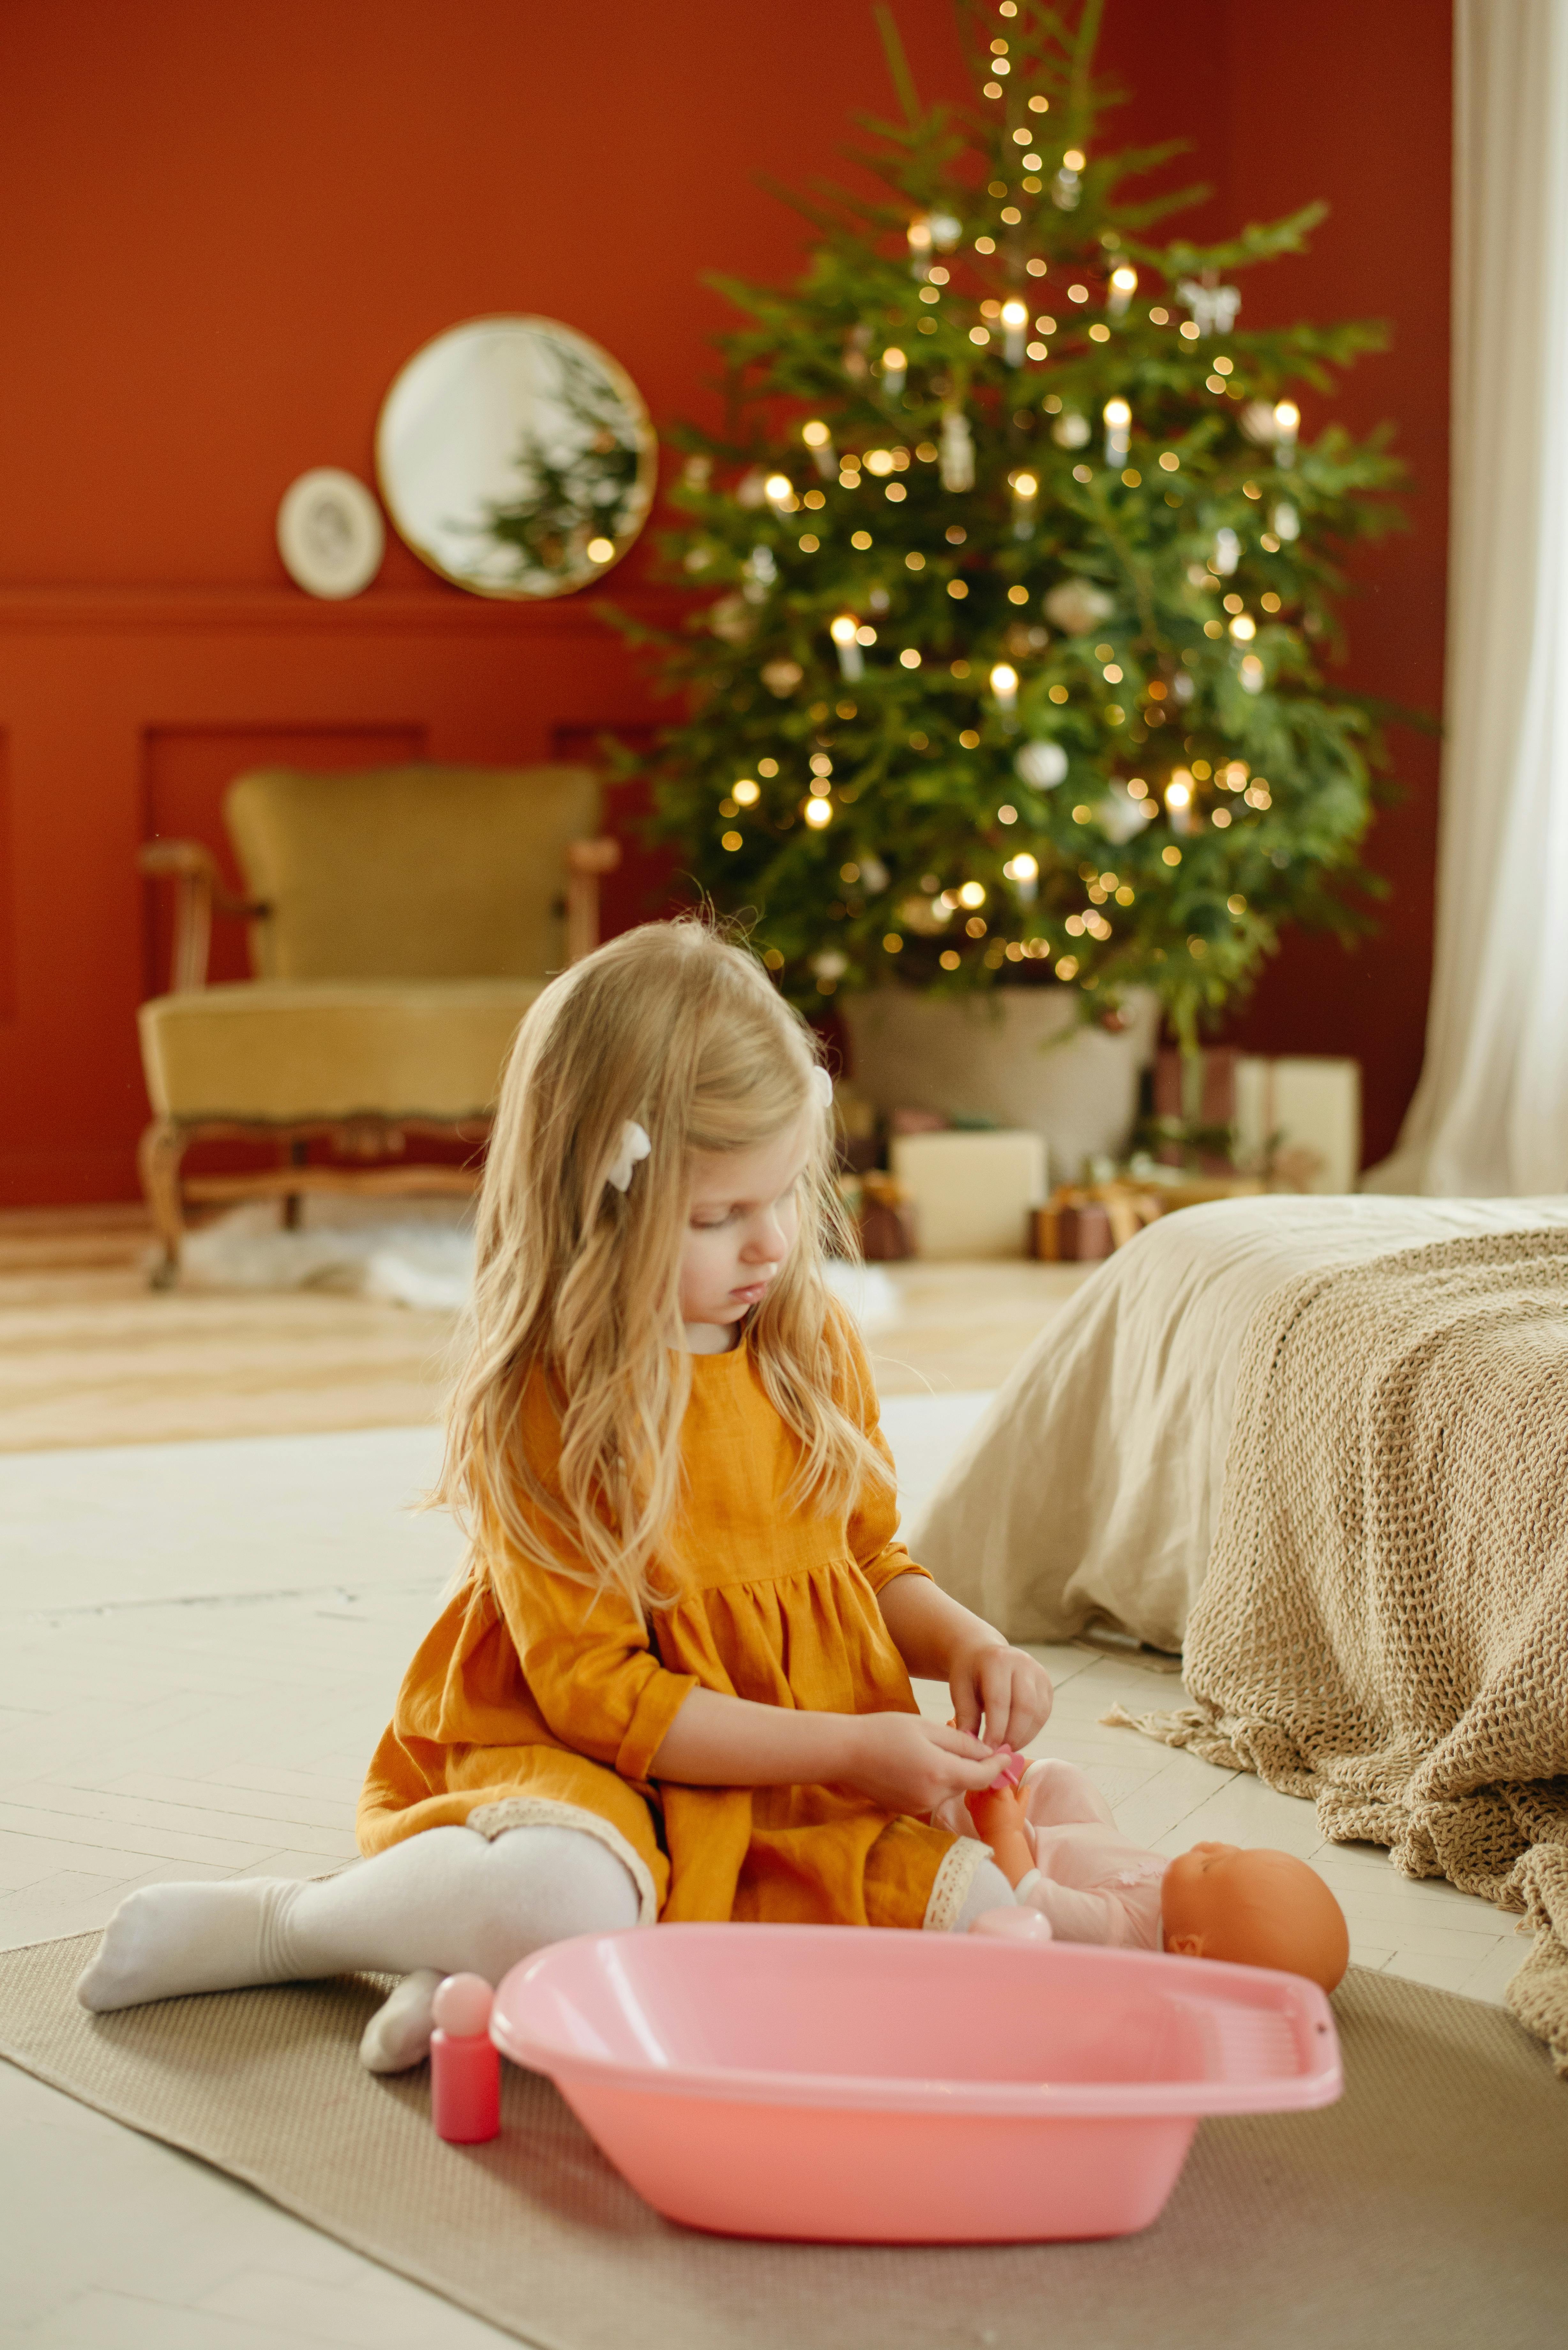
90 1355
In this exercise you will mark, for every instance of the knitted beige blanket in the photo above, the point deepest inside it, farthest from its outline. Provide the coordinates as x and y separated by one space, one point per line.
1384 1623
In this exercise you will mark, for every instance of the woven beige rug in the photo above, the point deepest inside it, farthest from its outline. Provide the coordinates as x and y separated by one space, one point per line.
1429 2207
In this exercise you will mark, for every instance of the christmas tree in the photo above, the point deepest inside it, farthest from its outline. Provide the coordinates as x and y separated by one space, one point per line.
1025 575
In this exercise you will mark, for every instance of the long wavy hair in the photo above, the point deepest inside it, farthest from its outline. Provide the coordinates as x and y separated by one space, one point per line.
679 1029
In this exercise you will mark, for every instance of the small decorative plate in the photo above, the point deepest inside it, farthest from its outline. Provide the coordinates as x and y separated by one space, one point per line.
329 533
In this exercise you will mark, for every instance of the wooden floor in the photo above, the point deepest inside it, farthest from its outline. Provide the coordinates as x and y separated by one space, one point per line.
89 1355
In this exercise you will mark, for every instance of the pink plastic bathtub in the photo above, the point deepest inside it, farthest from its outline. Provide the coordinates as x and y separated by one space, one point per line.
831 2083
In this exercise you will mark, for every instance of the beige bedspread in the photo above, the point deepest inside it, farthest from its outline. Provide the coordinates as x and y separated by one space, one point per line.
1093 1487
1384 1624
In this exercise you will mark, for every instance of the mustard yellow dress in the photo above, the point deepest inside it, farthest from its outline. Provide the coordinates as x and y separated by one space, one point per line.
535 1700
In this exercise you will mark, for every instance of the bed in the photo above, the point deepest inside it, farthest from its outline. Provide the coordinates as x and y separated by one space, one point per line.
1091 1490
1321 1446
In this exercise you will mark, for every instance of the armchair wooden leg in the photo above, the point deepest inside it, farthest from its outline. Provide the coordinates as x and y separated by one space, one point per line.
157 1157
294 1201
586 861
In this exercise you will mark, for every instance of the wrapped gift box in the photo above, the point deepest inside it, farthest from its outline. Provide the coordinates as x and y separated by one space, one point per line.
974 1195
1080 1222
1293 1116
1306 1109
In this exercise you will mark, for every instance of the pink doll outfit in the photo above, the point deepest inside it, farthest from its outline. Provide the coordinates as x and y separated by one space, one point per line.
1090 1883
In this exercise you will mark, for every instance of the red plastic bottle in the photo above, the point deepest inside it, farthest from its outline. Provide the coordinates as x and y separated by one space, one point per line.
465 2067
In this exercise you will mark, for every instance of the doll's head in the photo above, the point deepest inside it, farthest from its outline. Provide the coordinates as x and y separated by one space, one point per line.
1258 1909
649 1082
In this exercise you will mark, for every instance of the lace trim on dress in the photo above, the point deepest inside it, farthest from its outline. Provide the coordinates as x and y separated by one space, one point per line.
950 1886
492 1820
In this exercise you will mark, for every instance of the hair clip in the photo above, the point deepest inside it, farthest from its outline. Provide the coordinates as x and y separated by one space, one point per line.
822 1086
634 1145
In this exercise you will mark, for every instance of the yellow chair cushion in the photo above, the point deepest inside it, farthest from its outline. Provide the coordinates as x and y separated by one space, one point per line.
410 872
274 1051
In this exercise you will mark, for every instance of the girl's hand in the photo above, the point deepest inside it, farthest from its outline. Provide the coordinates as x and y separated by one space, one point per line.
1008 1689
906 1764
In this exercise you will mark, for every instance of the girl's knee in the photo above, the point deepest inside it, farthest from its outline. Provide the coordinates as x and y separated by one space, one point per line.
561 1881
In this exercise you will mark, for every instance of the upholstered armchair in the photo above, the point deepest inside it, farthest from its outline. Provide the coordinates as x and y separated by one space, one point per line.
401 923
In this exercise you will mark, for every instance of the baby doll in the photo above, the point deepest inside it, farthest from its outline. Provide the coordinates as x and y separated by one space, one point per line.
1054 1838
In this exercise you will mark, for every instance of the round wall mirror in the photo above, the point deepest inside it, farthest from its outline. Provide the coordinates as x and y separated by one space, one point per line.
515 457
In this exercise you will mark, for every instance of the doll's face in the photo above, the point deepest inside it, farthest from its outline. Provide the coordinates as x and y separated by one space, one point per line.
1256 1908
1192 1897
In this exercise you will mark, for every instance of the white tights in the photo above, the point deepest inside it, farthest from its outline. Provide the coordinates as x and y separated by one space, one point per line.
447 1901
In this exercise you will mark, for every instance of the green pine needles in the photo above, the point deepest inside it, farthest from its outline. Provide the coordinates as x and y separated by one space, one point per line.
1023 575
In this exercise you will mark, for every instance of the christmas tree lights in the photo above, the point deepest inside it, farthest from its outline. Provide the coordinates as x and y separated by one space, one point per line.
1023 565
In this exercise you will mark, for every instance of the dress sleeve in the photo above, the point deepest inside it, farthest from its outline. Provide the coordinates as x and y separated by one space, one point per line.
590 1664
591 1667
873 1521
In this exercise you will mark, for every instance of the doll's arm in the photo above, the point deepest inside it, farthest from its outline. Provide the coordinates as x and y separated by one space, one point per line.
1001 1821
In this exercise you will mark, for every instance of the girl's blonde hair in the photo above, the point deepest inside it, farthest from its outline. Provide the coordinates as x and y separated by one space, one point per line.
673 1027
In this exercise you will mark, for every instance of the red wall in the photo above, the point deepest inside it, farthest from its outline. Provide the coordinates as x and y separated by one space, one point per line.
223 228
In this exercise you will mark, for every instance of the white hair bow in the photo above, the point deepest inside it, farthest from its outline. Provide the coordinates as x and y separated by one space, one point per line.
634 1145
822 1086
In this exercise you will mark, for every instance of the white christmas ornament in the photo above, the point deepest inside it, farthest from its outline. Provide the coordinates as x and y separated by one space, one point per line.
874 873
957 451
782 677
1258 424
945 230
1071 430
1076 606
1213 307
1121 818
730 619
1043 765
1227 552
830 965
751 489
761 571
1286 521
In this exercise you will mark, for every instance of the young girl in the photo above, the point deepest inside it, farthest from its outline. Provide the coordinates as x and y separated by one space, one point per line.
675 1680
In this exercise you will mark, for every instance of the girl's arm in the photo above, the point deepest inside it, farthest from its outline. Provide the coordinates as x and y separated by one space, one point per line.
896 1759
941 1641
938 1640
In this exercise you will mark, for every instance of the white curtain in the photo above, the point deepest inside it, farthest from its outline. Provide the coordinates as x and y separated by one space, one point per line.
1490 1115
